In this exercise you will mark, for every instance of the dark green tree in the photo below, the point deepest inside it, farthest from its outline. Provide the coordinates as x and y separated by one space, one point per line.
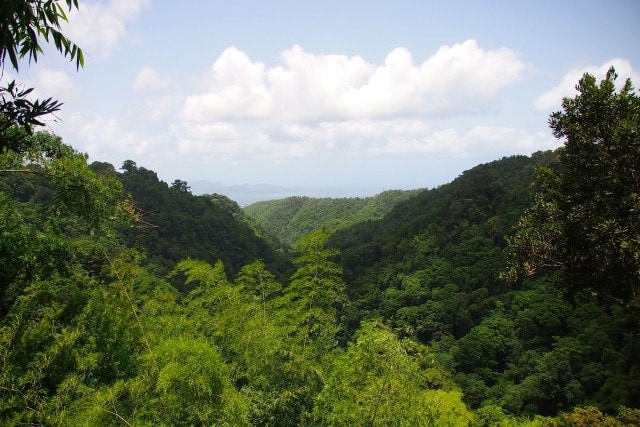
180 186
129 166
584 223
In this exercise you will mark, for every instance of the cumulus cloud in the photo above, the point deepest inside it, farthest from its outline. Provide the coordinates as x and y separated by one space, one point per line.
98 26
370 138
214 131
106 138
235 89
310 103
51 83
309 87
552 99
161 108
415 138
148 79
318 106
45 82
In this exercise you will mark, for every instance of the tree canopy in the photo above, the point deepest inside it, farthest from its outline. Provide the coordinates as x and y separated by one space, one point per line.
291 218
584 223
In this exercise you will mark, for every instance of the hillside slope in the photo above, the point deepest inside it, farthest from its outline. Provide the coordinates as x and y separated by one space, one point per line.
181 226
293 217
431 270
484 201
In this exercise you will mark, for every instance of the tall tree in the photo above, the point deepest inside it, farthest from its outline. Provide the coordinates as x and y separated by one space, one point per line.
258 281
584 223
317 291
381 381
180 186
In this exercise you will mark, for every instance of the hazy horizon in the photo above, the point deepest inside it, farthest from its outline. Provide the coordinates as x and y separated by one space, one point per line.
375 95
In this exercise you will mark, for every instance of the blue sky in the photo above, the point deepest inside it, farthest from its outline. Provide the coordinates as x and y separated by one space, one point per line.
357 96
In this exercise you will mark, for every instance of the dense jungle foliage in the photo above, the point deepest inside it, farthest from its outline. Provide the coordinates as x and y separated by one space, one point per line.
431 270
178 225
293 217
507 297
400 320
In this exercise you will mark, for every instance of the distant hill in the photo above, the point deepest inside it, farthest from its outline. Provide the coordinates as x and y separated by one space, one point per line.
290 218
462 222
182 225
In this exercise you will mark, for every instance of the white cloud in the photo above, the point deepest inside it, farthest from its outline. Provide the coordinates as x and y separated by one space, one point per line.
148 78
106 138
314 108
310 87
313 105
162 107
488 142
356 138
464 77
45 83
51 83
466 69
215 131
236 89
552 99
6 77
98 26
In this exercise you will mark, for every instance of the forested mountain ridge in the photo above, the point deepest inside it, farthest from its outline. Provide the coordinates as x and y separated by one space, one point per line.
491 196
420 299
455 232
101 324
291 218
431 269
179 225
